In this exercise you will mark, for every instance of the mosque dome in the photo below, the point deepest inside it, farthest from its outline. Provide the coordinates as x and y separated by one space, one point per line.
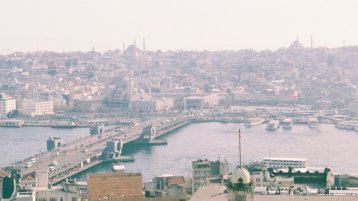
240 173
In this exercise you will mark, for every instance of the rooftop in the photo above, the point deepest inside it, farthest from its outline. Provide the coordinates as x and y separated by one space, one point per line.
284 159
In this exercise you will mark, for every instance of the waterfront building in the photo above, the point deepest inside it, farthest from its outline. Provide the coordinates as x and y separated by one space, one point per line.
153 105
7 104
35 107
114 185
277 162
205 171
201 102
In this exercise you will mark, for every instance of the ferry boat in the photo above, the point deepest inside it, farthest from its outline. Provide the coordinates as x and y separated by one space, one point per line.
287 123
12 123
253 122
346 125
312 122
273 125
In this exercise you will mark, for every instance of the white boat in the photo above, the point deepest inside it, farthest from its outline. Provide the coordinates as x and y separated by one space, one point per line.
253 122
118 167
272 125
287 123
312 122
346 125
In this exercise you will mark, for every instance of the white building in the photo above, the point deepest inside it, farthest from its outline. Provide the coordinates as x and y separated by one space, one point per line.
7 104
34 108
201 102
276 162
153 105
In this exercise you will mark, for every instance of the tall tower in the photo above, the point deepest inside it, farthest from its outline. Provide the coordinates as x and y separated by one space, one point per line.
239 148
123 47
150 80
143 44
130 84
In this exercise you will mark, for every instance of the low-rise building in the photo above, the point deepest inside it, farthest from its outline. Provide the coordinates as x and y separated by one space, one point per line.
153 105
277 162
205 171
201 102
7 104
115 185
35 107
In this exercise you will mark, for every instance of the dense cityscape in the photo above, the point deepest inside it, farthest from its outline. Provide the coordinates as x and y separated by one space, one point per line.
133 96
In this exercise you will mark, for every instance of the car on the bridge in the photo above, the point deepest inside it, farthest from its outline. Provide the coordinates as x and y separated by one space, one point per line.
29 164
51 168
33 160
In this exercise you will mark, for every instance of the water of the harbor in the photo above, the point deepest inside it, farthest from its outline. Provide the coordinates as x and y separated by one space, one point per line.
323 146
20 143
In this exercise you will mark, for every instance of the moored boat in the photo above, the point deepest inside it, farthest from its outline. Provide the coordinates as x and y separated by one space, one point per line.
273 125
287 123
312 122
253 122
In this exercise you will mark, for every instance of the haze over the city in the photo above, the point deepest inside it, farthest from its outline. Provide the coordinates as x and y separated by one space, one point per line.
65 25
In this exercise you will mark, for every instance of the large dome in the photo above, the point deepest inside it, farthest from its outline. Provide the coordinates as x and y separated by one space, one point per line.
240 173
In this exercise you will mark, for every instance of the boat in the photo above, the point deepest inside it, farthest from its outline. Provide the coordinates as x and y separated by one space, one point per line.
253 122
65 125
273 125
346 125
312 122
287 123
118 167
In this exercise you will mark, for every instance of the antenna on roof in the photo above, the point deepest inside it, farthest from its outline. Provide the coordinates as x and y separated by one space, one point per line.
239 148
270 157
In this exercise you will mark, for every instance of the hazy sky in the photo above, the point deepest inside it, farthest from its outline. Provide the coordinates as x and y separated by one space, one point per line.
70 25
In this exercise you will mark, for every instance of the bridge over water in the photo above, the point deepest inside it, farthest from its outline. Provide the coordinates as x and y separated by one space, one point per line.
81 154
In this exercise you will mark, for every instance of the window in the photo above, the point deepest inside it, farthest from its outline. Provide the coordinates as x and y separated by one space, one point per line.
53 199
74 199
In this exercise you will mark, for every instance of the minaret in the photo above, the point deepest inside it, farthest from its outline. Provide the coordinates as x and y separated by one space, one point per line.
123 48
143 44
150 80
311 42
130 87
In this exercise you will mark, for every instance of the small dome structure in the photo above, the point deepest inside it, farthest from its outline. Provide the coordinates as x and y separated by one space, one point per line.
240 174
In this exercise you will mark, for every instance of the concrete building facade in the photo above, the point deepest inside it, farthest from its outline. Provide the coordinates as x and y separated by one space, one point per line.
34 108
7 104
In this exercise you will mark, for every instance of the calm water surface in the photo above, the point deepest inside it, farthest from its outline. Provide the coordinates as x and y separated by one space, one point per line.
323 146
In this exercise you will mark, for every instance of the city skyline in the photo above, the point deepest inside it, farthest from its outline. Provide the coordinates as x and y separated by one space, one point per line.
175 25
